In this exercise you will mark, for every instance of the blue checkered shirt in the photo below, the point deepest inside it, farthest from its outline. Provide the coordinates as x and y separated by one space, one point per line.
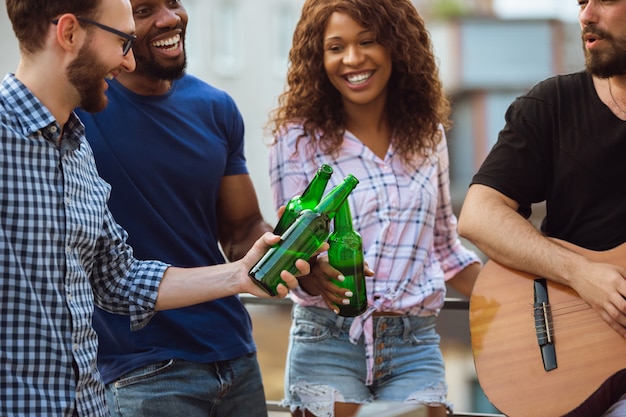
60 252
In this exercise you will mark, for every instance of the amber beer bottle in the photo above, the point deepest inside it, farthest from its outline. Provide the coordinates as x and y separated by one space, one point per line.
301 239
346 255
310 197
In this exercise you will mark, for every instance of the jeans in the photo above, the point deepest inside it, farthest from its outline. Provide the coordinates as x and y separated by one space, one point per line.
324 367
177 388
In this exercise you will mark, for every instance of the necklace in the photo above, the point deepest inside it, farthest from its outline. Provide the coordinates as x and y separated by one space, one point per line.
613 98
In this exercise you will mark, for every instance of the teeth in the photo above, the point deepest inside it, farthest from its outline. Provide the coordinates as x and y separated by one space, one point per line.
109 77
167 42
359 78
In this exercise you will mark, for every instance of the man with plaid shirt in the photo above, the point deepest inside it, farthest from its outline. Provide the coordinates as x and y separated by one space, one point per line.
61 251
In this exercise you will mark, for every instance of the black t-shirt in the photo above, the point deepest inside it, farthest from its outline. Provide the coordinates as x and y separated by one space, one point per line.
561 144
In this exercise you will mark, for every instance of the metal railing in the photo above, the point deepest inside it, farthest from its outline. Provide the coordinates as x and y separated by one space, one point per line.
451 303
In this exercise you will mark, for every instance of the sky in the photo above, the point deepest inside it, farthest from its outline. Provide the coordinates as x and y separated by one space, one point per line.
563 9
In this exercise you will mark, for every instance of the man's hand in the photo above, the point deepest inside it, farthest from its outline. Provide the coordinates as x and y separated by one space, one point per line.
603 287
257 251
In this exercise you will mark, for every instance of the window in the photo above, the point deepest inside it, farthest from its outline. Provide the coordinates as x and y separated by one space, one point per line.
227 46
284 19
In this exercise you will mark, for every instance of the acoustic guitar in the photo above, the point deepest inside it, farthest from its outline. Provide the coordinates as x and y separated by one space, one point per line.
539 349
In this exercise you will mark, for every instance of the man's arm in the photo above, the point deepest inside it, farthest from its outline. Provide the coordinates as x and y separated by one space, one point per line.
239 217
182 287
490 220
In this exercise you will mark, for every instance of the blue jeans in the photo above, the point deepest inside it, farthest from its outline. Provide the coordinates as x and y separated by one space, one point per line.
324 367
177 388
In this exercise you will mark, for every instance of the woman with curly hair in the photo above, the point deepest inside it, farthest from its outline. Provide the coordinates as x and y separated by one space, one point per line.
364 96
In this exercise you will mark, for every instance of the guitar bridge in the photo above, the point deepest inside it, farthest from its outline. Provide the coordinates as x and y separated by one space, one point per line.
543 324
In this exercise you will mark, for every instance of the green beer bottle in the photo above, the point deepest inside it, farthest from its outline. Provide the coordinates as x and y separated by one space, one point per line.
310 197
301 239
346 255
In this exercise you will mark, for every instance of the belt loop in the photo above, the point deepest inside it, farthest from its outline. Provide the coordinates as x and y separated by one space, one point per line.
406 321
338 325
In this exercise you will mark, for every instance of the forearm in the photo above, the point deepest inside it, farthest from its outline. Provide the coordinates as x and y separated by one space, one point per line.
241 240
239 216
182 287
464 281
491 222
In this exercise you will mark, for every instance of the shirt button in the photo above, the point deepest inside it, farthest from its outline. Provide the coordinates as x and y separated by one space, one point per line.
379 360
68 250
381 346
67 201
75 347
53 129
68 296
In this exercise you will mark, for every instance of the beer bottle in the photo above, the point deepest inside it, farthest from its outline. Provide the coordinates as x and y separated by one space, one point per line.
300 241
346 255
310 197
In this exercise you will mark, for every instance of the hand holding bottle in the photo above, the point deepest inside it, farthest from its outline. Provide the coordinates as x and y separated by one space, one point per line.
321 281
289 280
182 287
346 255
302 239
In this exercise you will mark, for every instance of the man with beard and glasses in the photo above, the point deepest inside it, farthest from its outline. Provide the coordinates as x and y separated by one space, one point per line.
564 144
172 148
61 252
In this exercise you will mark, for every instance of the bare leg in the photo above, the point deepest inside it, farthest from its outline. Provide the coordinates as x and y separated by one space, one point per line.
298 413
346 409
437 411
341 410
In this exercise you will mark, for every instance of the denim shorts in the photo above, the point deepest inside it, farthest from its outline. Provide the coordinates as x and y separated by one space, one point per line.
177 388
324 367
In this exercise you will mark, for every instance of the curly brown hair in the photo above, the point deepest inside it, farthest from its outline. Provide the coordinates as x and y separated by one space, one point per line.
416 105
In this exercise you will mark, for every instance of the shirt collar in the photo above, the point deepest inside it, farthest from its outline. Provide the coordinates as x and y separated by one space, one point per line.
31 113
32 116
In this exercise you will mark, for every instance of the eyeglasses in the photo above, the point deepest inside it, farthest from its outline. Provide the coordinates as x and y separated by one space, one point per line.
129 39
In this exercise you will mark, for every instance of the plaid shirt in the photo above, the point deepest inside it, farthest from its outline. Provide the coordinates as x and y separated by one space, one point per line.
60 252
404 216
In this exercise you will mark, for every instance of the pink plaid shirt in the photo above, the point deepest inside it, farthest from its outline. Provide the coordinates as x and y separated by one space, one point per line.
404 216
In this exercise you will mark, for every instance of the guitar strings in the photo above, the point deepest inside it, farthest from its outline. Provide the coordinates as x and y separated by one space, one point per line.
569 304
559 328
581 322
566 321
590 328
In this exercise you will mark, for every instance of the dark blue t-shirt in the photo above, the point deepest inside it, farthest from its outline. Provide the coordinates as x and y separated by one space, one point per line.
165 157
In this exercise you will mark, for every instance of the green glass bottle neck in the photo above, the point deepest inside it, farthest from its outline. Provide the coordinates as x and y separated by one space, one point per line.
343 218
316 187
334 199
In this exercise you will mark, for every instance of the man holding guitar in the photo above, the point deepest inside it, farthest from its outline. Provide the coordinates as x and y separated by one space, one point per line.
564 143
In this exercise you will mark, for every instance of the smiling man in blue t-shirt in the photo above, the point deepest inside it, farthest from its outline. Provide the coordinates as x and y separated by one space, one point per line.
171 146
